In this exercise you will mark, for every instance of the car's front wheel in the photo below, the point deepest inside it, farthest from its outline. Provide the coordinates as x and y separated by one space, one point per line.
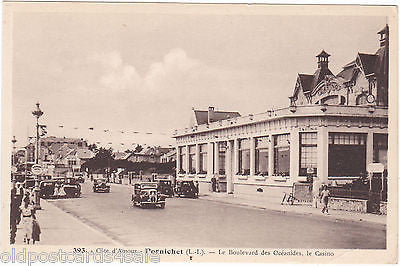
162 205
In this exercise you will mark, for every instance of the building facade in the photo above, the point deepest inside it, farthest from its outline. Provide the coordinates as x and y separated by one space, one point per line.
150 154
334 127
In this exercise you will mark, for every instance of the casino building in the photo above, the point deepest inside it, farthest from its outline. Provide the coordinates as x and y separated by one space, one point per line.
334 126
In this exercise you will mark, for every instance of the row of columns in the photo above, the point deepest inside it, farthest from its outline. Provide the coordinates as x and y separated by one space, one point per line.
231 159
232 155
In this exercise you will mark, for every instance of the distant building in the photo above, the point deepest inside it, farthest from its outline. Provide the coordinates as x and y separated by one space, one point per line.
150 154
334 127
60 156
169 156
121 155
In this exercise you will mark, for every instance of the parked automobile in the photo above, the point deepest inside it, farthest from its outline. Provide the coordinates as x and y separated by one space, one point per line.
186 189
47 188
147 194
101 185
29 183
165 186
72 188
80 177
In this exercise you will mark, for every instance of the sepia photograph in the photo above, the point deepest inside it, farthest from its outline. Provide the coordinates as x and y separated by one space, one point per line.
194 132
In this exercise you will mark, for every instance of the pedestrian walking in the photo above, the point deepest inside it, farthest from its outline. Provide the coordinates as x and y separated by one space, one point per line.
325 199
27 197
35 230
19 193
27 221
197 188
213 184
14 210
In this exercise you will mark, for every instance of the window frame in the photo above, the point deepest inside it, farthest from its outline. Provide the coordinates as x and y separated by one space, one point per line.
303 170
241 151
279 146
257 151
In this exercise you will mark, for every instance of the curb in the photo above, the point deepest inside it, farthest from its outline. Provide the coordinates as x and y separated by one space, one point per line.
330 217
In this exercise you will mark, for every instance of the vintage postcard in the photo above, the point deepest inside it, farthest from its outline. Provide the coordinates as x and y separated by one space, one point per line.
199 133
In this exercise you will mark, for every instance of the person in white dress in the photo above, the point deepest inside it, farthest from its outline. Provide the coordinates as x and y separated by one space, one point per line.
28 213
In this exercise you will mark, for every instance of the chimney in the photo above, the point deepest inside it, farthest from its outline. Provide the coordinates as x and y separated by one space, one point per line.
211 114
384 36
323 60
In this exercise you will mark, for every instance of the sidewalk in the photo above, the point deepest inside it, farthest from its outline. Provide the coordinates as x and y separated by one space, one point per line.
61 228
274 204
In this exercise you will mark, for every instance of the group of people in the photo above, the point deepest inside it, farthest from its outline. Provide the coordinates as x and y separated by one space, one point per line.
59 190
22 211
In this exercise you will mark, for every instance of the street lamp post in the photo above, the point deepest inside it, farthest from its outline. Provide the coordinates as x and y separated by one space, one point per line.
37 113
13 181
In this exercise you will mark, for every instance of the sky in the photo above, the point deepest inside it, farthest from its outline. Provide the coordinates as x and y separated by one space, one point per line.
143 72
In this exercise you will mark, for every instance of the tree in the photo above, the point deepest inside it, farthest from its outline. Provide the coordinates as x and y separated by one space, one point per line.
93 147
102 159
138 148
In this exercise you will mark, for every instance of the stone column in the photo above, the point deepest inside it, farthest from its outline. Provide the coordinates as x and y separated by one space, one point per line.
216 158
322 155
229 168
252 156
197 158
294 155
210 160
271 156
178 160
187 159
370 149
235 167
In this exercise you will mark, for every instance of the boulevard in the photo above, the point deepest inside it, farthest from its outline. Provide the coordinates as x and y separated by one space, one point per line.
204 223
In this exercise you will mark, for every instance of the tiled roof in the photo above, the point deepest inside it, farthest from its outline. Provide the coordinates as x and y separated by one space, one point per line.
384 30
202 116
368 62
351 64
319 76
323 54
62 152
346 74
84 153
306 81
120 155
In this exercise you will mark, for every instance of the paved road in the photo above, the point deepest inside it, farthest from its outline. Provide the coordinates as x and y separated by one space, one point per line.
201 223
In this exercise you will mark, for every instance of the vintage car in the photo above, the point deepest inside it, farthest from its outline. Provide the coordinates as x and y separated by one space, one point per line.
101 185
165 186
80 177
29 183
186 189
147 194
47 188
72 188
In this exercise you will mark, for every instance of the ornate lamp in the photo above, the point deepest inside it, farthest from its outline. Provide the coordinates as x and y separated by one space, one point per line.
37 113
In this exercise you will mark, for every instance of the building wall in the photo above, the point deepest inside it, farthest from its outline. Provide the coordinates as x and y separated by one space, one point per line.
362 120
